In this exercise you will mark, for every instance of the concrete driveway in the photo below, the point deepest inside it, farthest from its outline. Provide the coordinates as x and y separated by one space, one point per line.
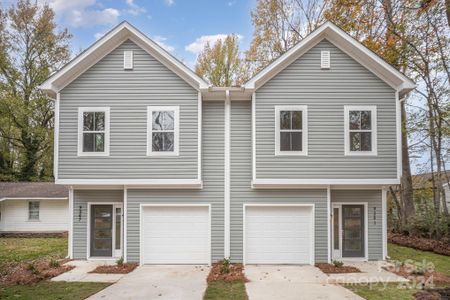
159 282
292 283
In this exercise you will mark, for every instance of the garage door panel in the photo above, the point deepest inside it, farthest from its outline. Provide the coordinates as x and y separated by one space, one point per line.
278 235
175 235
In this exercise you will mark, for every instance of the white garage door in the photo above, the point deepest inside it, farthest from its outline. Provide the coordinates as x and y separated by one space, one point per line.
278 235
175 235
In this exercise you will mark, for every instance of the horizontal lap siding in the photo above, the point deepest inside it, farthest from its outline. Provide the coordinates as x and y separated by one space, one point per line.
373 197
80 213
212 192
128 93
325 92
241 191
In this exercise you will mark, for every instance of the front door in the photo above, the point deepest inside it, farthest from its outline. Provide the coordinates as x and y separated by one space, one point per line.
353 231
101 230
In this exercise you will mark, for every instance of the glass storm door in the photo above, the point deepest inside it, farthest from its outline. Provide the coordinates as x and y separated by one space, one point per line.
353 231
101 230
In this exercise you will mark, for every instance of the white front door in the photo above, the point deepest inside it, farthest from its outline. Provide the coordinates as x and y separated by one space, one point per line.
175 235
279 235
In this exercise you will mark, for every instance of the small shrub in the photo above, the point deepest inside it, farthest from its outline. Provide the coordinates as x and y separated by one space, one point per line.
338 264
54 264
225 267
120 261
32 268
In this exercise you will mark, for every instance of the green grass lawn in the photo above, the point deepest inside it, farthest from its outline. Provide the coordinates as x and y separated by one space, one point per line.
395 290
14 250
48 290
219 290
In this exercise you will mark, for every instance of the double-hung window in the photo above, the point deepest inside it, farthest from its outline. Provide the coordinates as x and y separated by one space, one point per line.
291 130
360 130
93 131
162 130
33 210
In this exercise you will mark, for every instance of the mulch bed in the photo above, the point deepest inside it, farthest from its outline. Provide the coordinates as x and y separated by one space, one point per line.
15 234
433 294
332 269
32 272
235 274
421 243
424 277
115 269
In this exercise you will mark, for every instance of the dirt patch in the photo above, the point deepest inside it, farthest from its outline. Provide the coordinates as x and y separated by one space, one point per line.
15 234
332 269
426 278
433 294
421 243
115 269
33 272
219 273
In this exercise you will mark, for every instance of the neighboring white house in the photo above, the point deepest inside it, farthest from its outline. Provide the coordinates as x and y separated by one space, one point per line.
33 207
447 194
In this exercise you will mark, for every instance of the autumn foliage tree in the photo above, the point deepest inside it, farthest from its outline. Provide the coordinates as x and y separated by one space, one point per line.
31 48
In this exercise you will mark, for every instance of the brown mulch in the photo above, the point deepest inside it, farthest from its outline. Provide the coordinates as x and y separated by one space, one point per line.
15 234
332 269
426 277
115 269
420 243
433 294
236 273
32 272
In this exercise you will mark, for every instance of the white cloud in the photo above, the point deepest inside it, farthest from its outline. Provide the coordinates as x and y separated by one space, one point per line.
231 3
197 46
160 40
98 35
134 9
169 2
83 13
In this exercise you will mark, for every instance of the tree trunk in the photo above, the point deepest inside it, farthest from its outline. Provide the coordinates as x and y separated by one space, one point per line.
407 193
28 170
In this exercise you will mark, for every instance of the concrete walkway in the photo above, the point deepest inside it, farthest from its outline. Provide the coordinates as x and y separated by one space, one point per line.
159 282
81 272
292 283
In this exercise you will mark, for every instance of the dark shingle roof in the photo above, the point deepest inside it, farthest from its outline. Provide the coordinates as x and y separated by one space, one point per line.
32 190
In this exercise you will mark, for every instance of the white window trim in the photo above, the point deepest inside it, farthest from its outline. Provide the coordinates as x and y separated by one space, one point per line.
373 110
82 110
304 110
39 212
150 110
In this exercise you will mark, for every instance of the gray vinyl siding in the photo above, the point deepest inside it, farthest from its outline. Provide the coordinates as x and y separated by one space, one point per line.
212 192
128 93
373 199
241 191
325 92
80 213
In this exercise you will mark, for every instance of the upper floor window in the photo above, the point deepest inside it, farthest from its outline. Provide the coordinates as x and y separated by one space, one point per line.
33 210
162 130
360 130
93 131
291 130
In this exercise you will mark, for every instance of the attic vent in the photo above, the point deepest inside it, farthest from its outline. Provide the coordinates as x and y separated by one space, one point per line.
325 59
128 60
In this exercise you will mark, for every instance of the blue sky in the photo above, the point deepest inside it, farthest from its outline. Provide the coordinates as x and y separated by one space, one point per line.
180 26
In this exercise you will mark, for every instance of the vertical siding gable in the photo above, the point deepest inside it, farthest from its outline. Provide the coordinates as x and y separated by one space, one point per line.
128 93
325 92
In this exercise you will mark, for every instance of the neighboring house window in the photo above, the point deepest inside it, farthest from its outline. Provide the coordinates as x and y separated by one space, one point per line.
360 130
33 210
93 131
291 130
162 130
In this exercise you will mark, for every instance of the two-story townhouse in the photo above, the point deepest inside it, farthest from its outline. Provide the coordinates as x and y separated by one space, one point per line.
290 168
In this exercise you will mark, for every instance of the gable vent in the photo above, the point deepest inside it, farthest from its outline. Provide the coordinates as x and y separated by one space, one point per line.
325 59
128 60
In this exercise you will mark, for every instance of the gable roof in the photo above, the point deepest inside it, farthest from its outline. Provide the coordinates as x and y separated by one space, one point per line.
11 190
109 42
346 43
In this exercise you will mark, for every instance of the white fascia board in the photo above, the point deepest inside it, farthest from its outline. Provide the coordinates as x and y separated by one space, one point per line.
108 43
137 183
317 183
33 198
347 44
